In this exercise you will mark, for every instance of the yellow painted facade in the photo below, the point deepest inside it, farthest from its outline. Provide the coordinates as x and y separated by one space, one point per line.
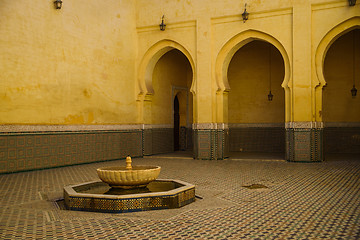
92 62
75 65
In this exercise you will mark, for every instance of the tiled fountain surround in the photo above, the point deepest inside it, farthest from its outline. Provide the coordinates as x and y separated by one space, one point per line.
182 194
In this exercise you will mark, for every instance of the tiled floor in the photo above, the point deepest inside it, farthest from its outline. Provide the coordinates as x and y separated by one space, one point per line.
302 201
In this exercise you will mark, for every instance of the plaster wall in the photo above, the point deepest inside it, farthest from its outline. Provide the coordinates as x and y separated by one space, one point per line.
69 66
249 80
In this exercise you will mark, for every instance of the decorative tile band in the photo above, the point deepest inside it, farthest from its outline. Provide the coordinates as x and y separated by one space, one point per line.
342 124
305 125
210 144
152 126
304 144
342 140
210 126
10 128
28 147
256 125
21 152
65 128
257 139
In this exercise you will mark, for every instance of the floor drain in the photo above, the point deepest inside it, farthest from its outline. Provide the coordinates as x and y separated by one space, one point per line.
255 186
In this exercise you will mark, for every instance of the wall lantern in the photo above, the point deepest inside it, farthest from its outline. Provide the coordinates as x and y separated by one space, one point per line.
270 95
352 2
162 24
58 4
245 15
354 90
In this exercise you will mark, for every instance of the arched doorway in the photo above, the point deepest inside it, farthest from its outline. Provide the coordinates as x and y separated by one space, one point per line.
341 110
171 106
256 122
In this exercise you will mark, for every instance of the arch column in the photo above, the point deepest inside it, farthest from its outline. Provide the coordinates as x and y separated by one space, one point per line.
304 131
223 147
209 128
211 140
145 116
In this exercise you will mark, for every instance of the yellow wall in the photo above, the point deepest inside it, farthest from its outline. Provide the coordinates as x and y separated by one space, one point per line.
85 63
250 82
339 105
69 66
172 70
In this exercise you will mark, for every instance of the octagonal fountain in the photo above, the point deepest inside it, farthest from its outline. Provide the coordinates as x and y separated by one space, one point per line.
128 189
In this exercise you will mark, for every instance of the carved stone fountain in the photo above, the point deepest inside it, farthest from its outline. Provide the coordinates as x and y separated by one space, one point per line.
128 189
128 177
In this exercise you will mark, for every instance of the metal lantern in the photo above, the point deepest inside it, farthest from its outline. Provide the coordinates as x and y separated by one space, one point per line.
58 4
162 24
352 2
245 15
270 96
353 91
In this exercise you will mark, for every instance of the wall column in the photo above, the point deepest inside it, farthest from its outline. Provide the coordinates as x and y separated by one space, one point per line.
144 118
208 136
303 133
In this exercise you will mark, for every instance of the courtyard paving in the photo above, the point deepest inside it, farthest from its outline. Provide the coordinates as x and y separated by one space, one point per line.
301 201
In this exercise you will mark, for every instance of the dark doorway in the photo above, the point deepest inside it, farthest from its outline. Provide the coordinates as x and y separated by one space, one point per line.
176 124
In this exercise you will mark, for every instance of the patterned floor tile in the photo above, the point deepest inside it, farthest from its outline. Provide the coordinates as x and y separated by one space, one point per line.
301 201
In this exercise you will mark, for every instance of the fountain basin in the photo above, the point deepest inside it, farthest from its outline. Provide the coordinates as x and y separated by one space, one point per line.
97 196
122 177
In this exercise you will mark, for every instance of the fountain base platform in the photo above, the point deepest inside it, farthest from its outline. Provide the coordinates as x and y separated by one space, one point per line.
98 196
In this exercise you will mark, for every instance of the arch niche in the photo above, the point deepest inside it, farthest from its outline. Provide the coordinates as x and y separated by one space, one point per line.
338 67
166 73
151 57
251 87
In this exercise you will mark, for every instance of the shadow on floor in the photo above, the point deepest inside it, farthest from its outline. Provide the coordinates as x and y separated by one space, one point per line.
331 157
232 155
256 156
176 154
